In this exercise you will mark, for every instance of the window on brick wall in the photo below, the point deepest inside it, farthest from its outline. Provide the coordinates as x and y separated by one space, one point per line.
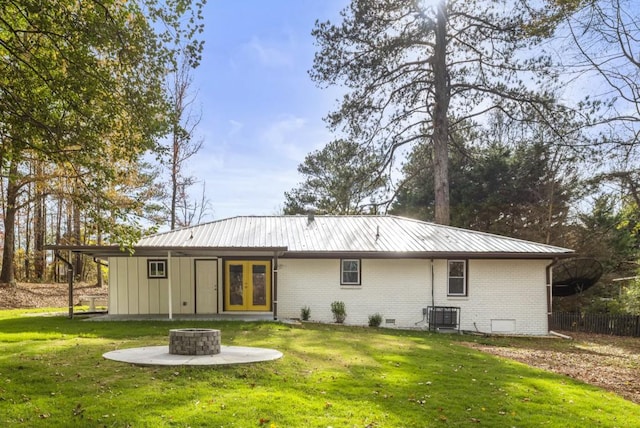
457 278
350 272
156 268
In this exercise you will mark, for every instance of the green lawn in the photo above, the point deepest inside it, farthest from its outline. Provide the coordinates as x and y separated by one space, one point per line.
52 374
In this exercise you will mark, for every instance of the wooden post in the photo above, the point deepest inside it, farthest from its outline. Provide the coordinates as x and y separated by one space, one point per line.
70 279
274 284
169 284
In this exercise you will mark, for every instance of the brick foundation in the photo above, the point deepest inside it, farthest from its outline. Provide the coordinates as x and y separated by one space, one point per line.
194 341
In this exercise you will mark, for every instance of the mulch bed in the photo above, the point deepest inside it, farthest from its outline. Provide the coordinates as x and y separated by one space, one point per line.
609 362
28 296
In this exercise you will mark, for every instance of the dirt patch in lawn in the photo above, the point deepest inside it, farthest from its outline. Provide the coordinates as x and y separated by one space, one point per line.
610 362
27 295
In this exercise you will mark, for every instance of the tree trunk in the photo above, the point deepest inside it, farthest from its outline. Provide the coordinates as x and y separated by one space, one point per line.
174 176
440 119
39 225
99 282
7 275
58 226
27 238
77 236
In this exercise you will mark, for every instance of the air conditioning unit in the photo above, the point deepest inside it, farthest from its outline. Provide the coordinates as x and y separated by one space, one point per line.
443 318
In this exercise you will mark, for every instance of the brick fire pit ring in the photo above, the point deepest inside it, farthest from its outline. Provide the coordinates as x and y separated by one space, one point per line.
194 341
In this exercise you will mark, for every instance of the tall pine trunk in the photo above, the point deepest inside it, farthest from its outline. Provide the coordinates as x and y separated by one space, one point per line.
58 228
99 282
27 238
440 119
39 225
7 275
77 237
175 170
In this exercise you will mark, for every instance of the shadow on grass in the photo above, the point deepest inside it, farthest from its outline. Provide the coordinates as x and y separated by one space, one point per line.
52 374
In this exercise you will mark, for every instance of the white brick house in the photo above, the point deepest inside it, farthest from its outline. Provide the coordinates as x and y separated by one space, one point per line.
413 273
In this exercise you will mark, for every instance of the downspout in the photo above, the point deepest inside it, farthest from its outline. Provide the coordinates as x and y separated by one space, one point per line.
433 299
549 275
70 274
169 284
274 285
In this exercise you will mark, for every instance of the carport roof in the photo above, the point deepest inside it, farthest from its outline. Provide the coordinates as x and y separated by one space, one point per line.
324 236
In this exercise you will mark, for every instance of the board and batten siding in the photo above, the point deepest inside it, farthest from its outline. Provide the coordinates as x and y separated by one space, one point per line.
504 296
131 292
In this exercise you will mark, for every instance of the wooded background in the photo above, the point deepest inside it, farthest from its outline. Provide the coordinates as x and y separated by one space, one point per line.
513 117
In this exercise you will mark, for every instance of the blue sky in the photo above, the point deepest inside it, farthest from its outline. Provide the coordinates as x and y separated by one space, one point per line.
261 113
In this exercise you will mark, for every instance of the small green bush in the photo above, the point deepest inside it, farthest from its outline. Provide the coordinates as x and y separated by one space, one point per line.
305 313
339 311
375 320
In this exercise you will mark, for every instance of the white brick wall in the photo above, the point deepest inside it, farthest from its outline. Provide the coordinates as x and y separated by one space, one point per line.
398 289
502 293
499 290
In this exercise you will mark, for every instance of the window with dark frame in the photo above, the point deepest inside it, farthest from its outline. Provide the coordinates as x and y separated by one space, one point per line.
457 278
156 268
350 272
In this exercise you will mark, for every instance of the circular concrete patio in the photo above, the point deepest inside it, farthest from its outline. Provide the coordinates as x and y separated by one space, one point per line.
160 356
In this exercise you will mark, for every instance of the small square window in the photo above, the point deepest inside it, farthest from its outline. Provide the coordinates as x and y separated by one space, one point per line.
350 272
156 268
457 278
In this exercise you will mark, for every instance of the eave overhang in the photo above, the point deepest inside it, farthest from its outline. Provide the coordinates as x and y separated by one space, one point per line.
427 255
105 251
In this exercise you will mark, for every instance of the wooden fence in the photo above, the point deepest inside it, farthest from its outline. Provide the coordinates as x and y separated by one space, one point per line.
618 325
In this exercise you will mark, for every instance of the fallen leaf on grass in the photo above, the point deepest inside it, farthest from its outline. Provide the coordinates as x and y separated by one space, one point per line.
78 411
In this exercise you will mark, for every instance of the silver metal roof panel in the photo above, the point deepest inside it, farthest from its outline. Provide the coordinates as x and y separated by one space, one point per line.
345 234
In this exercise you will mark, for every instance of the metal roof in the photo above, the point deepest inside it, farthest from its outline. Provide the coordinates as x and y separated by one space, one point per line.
367 235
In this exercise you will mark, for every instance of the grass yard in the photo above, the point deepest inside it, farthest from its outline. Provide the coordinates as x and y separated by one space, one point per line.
52 374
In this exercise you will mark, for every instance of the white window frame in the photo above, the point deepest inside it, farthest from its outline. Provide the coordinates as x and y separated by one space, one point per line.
153 268
465 288
343 271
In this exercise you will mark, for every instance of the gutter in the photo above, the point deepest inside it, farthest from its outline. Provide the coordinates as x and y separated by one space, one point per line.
292 254
433 297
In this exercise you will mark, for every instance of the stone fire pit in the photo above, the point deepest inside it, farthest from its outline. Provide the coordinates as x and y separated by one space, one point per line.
193 347
194 341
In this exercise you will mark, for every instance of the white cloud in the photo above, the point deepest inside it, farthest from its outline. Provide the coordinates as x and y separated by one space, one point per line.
294 137
248 170
269 54
236 127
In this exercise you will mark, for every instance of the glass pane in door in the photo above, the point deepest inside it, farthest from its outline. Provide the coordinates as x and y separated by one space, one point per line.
259 285
236 285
